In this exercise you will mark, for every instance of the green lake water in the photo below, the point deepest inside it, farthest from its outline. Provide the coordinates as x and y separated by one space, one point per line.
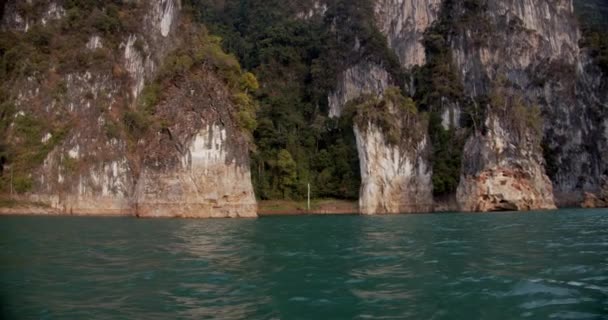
546 265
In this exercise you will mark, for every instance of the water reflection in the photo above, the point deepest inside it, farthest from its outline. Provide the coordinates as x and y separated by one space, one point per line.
221 271
533 265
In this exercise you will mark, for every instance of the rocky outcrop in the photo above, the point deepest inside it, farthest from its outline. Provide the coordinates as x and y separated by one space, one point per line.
404 22
534 46
503 172
363 78
599 199
102 157
394 178
198 167
395 175
592 201
202 186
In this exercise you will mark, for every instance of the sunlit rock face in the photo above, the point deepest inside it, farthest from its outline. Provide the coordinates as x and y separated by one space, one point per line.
205 184
394 179
534 47
201 171
503 172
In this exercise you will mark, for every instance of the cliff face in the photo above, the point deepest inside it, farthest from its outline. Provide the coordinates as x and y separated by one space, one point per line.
103 155
529 52
404 23
503 170
199 166
114 111
395 177
363 78
535 46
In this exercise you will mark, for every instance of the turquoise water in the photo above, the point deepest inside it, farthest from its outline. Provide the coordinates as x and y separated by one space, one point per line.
551 265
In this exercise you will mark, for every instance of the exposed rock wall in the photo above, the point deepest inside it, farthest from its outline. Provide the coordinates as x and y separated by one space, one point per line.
503 171
394 179
510 36
404 22
363 78
535 46
203 185
197 168
532 48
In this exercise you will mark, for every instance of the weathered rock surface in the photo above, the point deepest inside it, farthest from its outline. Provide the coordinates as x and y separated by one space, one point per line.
394 179
363 78
503 172
404 23
199 167
599 199
593 201
535 45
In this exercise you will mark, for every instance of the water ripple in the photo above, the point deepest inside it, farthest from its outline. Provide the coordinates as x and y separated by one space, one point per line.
460 266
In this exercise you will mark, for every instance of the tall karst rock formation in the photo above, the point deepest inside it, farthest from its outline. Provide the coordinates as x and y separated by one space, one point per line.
133 108
537 103
126 112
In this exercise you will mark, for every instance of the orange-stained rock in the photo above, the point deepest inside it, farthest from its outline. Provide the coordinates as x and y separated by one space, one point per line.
503 172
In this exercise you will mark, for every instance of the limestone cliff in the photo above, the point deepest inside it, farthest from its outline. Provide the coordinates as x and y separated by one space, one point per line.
504 171
395 177
126 109
102 153
535 46
363 78
531 48
392 144
199 166
404 23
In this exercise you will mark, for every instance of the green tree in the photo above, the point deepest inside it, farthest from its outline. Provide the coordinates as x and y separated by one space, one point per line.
287 172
